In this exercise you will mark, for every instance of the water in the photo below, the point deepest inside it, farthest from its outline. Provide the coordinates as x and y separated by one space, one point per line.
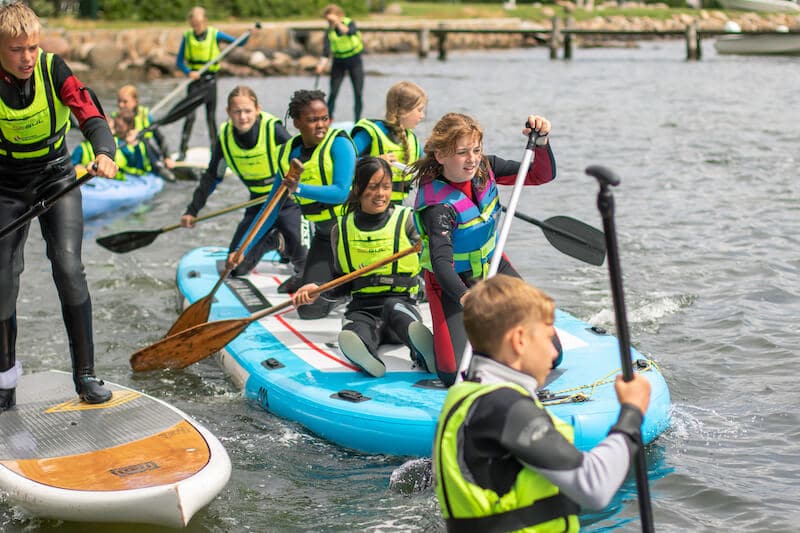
708 219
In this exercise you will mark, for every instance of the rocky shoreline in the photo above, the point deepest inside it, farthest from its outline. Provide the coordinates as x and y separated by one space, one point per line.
276 49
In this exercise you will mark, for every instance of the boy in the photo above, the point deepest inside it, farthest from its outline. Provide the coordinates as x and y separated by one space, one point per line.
37 93
501 461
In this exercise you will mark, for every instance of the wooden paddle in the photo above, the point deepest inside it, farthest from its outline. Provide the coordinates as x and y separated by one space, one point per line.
197 313
127 241
198 342
605 203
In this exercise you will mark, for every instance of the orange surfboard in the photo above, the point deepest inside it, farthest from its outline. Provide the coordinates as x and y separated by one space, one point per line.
133 459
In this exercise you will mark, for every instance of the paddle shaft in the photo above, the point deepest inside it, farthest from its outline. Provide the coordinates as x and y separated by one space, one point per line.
182 87
40 207
225 211
605 203
505 229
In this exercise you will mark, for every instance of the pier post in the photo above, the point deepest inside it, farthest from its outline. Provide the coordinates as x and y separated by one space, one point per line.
692 42
555 38
424 40
568 38
442 34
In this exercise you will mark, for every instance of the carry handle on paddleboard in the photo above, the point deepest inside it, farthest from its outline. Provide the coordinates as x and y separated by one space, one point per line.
605 203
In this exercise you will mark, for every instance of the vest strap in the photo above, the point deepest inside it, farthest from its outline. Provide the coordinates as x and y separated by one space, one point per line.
544 510
393 281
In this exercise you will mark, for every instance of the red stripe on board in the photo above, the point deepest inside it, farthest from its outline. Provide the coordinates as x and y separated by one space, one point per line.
312 345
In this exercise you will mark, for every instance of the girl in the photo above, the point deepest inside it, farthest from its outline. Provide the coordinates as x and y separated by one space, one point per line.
329 158
455 212
248 144
393 138
383 309
128 99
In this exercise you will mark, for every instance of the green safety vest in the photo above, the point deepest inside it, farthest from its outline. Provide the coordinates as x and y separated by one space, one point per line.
318 171
256 167
127 166
87 156
357 248
39 129
344 46
382 144
141 119
198 53
532 501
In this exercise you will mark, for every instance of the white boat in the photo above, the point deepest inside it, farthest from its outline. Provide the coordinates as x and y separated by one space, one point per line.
767 6
778 43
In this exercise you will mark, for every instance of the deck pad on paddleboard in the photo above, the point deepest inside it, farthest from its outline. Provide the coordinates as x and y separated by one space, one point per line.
131 459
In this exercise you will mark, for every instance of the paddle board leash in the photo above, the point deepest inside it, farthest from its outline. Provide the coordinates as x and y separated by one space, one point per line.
605 203
43 205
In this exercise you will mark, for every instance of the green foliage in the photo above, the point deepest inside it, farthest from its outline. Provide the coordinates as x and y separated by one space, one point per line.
171 10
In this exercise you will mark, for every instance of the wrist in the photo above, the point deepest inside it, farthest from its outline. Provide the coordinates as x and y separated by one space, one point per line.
542 140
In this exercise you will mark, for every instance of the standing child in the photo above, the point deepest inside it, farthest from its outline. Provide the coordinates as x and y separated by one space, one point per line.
199 46
343 42
248 144
501 461
37 94
383 309
393 138
321 190
456 209
128 98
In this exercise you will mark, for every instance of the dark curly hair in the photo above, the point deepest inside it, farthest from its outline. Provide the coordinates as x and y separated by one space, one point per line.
300 99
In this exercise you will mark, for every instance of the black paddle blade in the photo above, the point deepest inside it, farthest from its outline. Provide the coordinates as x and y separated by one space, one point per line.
576 239
127 241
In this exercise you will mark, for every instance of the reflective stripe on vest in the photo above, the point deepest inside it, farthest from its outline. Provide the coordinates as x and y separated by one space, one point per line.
318 171
532 504
132 157
475 233
344 46
198 53
357 248
39 129
255 166
381 144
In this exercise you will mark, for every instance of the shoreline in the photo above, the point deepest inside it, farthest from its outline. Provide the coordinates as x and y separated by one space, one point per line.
277 49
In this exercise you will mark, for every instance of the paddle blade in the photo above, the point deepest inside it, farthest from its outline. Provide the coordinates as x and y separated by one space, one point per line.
127 241
195 314
576 239
188 346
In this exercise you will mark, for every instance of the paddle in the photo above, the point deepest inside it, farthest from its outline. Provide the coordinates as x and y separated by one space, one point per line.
182 108
568 235
127 241
198 342
182 87
605 203
43 205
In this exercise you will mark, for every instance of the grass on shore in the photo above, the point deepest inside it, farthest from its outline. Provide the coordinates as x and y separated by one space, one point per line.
410 11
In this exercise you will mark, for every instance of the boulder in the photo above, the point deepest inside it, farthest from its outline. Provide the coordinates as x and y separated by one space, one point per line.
57 45
105 56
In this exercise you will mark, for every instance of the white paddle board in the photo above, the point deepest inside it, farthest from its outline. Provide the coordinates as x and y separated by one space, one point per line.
132 459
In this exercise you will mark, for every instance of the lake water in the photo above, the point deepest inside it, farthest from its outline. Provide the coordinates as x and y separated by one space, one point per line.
708 216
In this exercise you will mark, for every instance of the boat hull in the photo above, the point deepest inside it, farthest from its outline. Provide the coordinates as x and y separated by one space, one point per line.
103 196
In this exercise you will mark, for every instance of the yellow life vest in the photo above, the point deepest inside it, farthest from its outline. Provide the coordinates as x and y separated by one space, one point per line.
197 53
382 144
257 166
357 248
39 129
533 504
344 46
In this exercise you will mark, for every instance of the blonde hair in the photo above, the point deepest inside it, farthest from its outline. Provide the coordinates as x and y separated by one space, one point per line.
443 139
402 98
17 19
333 8
242 90
129 90
197 12
496 305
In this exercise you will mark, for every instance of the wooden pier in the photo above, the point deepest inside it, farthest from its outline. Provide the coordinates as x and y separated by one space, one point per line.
559 36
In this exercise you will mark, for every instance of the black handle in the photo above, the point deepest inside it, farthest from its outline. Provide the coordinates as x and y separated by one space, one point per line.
604 175
532 136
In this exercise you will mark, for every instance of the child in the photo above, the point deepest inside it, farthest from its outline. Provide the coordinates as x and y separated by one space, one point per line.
199 46
128 98
393 138
137 157
456 209
248 144
330 159
32 166
343 41
500 459
383 309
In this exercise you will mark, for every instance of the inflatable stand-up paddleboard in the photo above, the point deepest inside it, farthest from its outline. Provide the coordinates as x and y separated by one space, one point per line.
294 369
132 459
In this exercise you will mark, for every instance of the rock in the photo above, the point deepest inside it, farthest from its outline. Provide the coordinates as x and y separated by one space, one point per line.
238 56
259 61
282 63
307 63
56 44
105 56
78 66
